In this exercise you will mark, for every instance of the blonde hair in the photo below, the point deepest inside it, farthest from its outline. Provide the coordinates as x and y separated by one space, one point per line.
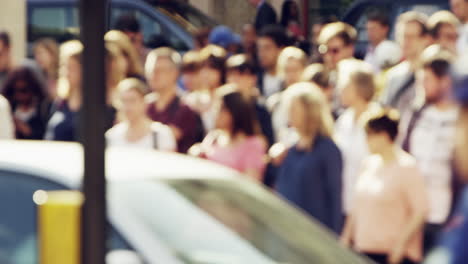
52 48
133 84
313 100
72 49
123 42
287 54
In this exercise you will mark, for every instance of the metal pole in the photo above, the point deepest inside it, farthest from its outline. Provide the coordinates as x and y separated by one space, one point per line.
92 19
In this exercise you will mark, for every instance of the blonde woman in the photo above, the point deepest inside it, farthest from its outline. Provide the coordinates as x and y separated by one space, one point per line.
46 54
290 66
310 175
132 65
63 122
136 129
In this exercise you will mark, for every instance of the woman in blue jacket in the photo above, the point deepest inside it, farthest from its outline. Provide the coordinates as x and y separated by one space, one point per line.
310 175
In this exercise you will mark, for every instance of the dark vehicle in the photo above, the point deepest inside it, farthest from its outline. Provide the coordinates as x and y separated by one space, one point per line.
184 14
356 15
59 19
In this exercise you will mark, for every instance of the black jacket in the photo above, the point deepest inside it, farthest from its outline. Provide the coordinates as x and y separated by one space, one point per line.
266 15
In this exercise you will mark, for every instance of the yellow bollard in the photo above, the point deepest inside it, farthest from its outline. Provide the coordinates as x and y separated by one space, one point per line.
59 226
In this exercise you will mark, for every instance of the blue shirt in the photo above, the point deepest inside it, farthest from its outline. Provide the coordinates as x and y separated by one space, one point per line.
62 124
312 180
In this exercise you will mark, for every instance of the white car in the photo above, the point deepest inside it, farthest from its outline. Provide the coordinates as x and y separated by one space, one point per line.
166 208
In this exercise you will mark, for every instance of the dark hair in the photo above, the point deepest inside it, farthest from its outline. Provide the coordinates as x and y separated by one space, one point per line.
242 112
286 12
276 33
242 63
127 23
5 38
200 36
25 74
380 17
191 62
384 120
214 57
437 59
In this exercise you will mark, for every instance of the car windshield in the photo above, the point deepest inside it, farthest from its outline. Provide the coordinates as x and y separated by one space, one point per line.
187 16
229 221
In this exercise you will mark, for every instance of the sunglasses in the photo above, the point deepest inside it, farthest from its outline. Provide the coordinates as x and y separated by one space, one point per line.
324 49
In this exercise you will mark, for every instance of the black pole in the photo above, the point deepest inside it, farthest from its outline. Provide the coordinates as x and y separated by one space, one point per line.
92 19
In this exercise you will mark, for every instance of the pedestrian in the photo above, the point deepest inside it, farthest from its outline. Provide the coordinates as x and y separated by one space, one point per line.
443 28
129 25
136 129
164 105
266 14
357 96
46 54
212 75
235 142
242 72
336 42
290 19
190 72
412 35
317 74
5 57
132 65
451 247
290 66
378 28
428 133
7 128
387 216
249 42
460 9
30 103
310 175
270 42
63 123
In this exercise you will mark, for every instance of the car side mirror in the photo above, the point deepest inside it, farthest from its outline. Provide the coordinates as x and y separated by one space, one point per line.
123 257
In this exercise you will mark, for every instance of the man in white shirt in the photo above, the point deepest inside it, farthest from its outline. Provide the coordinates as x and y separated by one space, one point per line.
377 27
429 136
413 37
7 129
460 9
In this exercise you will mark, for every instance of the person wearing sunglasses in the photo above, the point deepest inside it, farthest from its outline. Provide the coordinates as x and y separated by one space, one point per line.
336 43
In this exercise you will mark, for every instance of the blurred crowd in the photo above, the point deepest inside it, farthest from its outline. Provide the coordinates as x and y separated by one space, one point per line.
365 146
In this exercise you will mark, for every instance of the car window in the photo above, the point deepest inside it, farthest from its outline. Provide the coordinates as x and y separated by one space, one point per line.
218 221
18 221
54 22
154 32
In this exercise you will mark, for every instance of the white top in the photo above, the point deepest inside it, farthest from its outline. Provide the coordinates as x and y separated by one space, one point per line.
350 136
432 144
462 44
116 136
7 130
271 85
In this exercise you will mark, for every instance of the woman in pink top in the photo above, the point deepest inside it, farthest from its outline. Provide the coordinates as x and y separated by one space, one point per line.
387 219
235 142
